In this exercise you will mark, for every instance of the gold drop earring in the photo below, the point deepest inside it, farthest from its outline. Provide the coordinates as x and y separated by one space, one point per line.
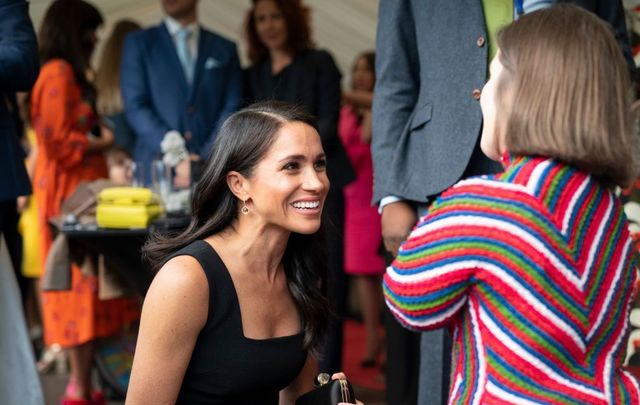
244 209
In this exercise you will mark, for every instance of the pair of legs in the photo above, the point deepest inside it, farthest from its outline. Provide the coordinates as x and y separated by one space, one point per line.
80 364
369 290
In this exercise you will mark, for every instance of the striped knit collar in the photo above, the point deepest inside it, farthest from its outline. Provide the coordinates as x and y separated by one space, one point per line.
548 179
525 169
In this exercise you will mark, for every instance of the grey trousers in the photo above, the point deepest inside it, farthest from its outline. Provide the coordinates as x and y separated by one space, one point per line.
435 367
435 361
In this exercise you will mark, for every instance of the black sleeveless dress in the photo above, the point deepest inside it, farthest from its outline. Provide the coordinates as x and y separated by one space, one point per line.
226 367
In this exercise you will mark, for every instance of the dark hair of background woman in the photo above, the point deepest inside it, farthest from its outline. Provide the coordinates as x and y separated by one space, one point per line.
370 57
243 140
66 33
297 20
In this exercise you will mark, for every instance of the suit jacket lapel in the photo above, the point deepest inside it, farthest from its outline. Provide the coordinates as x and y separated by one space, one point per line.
169 50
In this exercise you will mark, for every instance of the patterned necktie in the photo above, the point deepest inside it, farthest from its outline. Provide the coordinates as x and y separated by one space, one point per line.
184 52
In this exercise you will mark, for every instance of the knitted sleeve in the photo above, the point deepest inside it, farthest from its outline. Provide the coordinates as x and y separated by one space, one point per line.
428 283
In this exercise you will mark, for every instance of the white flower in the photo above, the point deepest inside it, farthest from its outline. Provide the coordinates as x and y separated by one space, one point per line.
173 148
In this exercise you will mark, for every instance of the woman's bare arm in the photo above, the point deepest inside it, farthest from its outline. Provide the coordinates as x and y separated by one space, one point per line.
175 311
358 98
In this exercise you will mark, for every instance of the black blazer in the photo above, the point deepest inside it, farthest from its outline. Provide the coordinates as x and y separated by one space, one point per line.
18 71
312 81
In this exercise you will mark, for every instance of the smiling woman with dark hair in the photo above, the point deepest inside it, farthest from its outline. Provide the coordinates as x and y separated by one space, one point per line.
235 312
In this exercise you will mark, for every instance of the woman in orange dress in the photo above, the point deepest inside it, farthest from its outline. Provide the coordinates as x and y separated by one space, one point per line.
63 116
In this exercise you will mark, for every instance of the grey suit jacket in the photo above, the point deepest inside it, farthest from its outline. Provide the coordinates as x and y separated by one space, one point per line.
431 58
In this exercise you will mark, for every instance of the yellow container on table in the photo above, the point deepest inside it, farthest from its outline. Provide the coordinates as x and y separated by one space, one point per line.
127 207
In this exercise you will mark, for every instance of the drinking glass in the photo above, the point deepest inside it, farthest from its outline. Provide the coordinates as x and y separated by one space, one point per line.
161 179
135 173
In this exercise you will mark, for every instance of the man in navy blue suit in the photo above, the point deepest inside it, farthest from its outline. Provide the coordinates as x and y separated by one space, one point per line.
177 76
19 68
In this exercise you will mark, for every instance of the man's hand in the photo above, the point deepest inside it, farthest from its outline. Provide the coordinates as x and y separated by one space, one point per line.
398 218
102 142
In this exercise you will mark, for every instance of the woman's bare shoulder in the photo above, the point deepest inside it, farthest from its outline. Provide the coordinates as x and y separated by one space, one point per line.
181 286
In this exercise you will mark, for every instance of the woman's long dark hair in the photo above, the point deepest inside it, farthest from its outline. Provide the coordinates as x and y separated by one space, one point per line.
65 33
242 142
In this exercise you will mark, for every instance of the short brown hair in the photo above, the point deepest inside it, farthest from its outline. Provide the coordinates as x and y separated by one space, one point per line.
569 93
297 20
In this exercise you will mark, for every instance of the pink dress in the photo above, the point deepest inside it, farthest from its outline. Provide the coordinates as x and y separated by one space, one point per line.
362 234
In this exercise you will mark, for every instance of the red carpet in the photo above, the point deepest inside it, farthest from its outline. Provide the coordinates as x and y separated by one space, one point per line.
354 350
634 370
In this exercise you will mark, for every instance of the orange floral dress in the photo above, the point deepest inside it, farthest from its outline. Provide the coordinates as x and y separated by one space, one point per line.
61 120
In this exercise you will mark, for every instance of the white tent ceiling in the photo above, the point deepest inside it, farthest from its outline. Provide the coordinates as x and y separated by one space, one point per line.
344 27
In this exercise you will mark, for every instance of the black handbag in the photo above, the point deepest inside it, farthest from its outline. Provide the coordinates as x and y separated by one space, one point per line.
328 392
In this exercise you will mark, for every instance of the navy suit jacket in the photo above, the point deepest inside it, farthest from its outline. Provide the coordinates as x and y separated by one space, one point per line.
19 68
158 99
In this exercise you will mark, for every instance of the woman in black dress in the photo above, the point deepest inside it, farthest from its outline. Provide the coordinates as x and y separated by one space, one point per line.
286 67
236 305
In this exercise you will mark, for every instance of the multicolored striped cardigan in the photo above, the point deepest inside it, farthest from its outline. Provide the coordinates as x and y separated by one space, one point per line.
534 270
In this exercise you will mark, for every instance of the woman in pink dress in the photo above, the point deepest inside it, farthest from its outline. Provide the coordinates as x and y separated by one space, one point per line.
362 221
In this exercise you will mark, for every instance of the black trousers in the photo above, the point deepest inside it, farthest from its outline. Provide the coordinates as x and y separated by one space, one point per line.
331 359
9 229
